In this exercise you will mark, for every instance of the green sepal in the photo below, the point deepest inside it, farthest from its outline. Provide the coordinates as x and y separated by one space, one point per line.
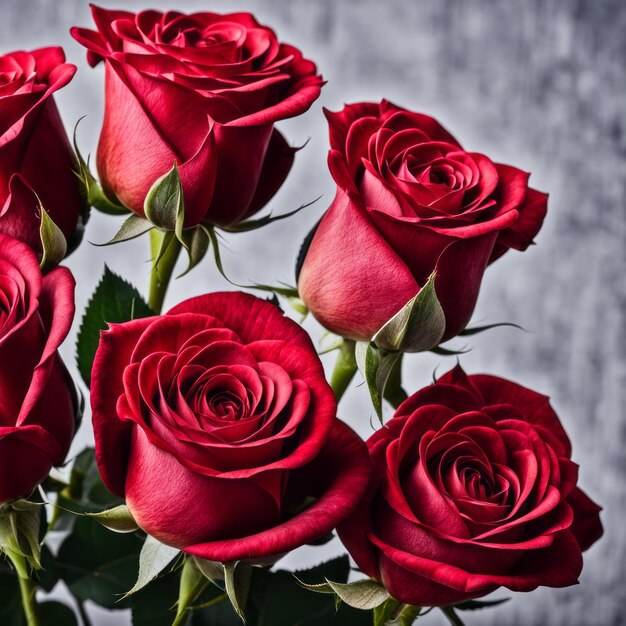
53 242
196 242
364 594
237 578
473 330
192 583
91 189
448 351
19 531
153 559
211 570
164 205
133 227
385 612
119 519
378 367
418 326
249 225
475 605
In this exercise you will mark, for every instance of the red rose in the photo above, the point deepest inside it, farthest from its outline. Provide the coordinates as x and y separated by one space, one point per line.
216 424
35 154
409 201
202 90
38 402
473 489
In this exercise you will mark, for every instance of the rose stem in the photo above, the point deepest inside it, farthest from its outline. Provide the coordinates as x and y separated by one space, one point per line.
160 276
28 590
345 368
452 616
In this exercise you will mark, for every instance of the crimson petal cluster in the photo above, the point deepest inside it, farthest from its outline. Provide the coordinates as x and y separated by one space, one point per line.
472 488
36 159
203 90
38 401
216 424
410 201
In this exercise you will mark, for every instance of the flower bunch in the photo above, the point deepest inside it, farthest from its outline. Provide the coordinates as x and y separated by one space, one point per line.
219 442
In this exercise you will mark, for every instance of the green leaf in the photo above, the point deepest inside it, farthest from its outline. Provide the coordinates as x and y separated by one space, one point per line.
249 225
118 519
85 492
237 581
99 565
113 301
153 559
364 594
48 576
418 326
11 613
133 227
53 242
164 205
54 613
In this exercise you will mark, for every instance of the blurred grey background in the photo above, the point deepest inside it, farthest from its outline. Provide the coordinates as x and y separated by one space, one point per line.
540 84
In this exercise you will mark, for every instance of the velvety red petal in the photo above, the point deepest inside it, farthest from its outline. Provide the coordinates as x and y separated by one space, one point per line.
587 527
351 279
278 161
337 478
251 318
163 496
112 436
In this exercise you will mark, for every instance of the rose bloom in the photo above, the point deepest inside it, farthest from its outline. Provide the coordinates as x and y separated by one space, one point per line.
38 401
410 200
216 424
472 488
36 159
202 90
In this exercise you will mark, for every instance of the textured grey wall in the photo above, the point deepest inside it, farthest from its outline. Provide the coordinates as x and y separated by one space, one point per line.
537 83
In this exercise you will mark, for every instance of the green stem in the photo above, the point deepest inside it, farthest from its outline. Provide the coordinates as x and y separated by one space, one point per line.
452 616
345 369
162 271
28 590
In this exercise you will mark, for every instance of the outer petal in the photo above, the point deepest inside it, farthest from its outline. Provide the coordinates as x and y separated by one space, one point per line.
26 456
241 151
460 270
128 131
251 318
352 280
337 479
521 233
112 436
163 496
19 217
587 527
277 165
